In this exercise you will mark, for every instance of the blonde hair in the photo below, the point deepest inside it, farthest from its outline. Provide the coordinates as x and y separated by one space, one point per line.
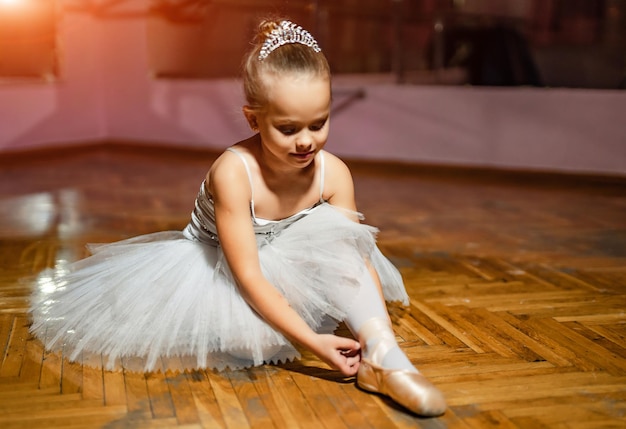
288 58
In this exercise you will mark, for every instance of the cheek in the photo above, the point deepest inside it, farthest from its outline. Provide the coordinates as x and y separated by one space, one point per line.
326 129
322 136
276 135
277 138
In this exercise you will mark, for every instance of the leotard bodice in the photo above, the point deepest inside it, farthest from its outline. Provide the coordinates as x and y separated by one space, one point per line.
202 224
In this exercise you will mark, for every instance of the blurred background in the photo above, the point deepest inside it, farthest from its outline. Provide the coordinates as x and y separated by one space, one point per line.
531 84
556 43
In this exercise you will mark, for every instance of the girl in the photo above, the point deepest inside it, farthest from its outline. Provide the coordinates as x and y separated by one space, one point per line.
274 254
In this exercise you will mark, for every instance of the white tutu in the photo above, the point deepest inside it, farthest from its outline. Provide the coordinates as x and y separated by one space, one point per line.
164 294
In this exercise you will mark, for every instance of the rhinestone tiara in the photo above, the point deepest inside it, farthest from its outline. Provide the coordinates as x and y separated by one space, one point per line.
287 32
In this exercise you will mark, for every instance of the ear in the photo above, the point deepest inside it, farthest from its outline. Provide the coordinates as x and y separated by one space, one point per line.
251 118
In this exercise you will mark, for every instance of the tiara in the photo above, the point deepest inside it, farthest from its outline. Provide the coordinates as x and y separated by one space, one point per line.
287 32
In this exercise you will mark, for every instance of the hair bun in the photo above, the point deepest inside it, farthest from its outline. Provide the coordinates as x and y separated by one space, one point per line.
265 29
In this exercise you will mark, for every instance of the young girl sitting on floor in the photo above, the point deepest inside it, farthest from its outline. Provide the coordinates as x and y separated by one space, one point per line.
274 254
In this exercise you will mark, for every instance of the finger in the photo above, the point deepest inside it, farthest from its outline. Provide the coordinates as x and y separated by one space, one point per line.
351 353
348 344
353 361
349 366
348 370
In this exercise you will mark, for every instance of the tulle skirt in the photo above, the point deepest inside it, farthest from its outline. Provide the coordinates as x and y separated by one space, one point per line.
165 295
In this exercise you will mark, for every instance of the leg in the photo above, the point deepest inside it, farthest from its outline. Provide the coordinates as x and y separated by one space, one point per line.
384 367
365 311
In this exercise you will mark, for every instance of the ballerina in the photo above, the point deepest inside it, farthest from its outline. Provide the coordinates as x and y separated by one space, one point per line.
274 255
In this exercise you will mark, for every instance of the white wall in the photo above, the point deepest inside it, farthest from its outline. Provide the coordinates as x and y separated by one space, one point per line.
106 92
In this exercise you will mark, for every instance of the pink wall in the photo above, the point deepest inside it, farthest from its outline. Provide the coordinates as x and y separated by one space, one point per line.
556 129
34 113
106 92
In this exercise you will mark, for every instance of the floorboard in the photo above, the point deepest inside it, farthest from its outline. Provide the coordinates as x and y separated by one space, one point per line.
517 283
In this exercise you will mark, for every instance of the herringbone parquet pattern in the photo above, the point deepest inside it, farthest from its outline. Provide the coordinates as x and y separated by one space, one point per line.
517 286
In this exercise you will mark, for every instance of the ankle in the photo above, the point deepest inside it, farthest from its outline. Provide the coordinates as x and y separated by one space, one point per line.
376 338
375 349
379 346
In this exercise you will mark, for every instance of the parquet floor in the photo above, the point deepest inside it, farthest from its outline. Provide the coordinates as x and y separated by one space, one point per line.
517 285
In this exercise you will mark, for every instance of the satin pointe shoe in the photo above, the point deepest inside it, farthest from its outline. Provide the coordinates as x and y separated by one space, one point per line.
410 389
406 387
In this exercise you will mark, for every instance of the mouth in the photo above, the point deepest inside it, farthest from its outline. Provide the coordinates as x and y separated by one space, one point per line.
304 156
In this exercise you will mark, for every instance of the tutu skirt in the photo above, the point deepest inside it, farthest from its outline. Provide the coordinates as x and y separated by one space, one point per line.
164 294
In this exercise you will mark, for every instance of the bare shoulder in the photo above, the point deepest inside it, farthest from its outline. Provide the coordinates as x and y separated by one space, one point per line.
338 184
336 168
227 176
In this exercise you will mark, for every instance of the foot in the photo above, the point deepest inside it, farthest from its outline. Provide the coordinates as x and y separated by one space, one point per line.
385 369
408 388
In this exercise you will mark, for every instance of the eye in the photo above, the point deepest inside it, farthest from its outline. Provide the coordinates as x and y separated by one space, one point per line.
318 126
287 130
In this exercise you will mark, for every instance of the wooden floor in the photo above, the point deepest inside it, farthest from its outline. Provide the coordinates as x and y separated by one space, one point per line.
517 286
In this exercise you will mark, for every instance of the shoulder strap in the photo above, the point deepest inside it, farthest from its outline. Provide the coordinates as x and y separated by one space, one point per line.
321 176
245 164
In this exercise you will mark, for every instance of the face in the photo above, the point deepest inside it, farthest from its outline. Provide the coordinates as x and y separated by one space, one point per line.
294 124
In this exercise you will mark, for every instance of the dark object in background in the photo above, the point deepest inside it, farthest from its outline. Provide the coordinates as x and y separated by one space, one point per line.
493 56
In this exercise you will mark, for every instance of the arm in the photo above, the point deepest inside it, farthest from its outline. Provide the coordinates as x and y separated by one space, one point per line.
338 184
228 183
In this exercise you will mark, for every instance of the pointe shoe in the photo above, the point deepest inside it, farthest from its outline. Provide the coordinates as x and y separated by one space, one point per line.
410 389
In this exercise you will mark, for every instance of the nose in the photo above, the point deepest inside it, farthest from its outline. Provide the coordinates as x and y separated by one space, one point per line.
304 141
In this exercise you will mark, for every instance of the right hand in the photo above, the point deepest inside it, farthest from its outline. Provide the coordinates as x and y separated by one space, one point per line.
343 354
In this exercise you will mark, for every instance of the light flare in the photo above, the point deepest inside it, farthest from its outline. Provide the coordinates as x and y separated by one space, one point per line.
10 2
